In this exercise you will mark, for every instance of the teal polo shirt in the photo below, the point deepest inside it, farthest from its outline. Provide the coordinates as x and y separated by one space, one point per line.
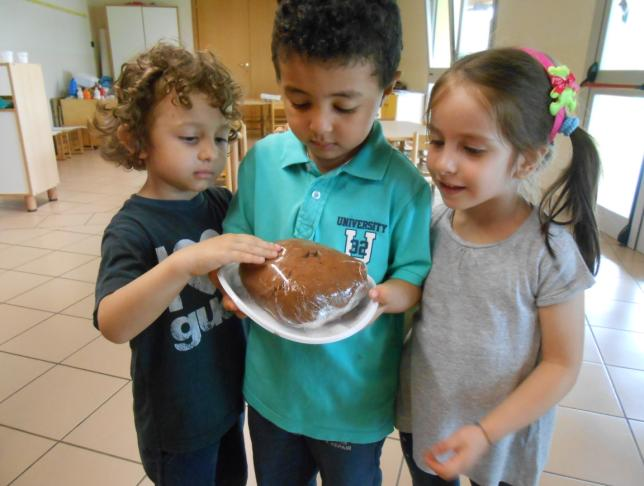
376 208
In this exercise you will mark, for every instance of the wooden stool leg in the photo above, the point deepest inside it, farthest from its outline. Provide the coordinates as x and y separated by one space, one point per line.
30 202
52 194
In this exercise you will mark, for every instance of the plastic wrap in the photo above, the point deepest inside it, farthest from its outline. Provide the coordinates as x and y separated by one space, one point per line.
307 285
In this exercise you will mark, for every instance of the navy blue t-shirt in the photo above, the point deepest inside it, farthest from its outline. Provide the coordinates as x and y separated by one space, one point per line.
188 365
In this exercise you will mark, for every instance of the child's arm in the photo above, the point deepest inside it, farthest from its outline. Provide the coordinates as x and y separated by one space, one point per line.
395 296
562 334
128 311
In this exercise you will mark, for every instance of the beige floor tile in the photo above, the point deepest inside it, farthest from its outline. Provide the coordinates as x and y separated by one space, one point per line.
591 352
629 385
405 476
54 339
638 431
90 245
21 219
17 371
14 320
55 263
4 246
83 308
613 282
54 295
101 218
19 255
14 236
594 447
14 283
80 196
103 356
549 479
110 429
593 391
391 461
61 207
615 314
67 465
56 402
87 272
64 220
88 229
54 240
19 451
621 348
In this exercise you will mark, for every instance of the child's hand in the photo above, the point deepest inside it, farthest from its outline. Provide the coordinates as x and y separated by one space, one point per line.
394 296
213 253
460 451
226 301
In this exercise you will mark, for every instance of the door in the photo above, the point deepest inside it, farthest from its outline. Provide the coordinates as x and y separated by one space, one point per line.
125 25
160 24
239 33
615 119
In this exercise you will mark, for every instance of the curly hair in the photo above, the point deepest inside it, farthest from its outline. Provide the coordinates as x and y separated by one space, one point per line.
157 72
343 31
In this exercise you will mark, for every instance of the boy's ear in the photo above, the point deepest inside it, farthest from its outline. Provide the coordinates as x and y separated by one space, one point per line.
125 136
530 161
390 88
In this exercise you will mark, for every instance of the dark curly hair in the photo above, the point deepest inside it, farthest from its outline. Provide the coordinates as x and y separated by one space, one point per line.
145 81
343 31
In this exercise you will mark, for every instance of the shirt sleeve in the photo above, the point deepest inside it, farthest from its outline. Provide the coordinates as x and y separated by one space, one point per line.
240 217
410 258
123 259
564 275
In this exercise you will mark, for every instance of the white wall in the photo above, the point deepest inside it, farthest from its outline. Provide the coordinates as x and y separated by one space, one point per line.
58 40
98 19
414 63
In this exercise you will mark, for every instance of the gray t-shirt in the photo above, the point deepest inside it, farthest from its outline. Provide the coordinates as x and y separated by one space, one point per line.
477 337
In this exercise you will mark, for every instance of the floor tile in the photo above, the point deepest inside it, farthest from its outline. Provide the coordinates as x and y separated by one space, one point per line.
90 245
638 431
621 348
54 339
591 352
56 402
19 451
54 295
103 356
83 308
19 255
14 320
14 283
629 385
55 263
615 314
80 196
549 479
88 229
64 220
110 429
60 207
613 282
17 371
22 220
87 272
67 465
593 391
54 240
594 447
101 218
390 461
14 236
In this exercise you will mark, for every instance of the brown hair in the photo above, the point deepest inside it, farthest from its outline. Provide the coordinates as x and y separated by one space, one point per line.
157 72
516 88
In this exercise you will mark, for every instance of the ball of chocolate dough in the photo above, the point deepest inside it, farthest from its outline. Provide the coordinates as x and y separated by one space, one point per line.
307 284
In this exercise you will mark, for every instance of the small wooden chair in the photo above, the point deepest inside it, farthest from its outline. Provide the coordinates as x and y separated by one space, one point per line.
277 120
236 152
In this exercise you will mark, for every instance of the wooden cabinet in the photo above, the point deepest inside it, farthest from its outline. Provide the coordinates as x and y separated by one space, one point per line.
27 159
132 29
239 33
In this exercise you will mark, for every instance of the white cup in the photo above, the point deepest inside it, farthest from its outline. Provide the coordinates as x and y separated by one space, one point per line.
6 56
22 57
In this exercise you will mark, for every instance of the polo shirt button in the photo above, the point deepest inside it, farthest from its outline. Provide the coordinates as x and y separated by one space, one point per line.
316 194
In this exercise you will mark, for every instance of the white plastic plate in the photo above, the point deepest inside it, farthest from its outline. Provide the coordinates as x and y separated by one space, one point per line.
336 330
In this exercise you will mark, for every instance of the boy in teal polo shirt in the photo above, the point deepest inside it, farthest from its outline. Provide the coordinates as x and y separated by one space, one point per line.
334 179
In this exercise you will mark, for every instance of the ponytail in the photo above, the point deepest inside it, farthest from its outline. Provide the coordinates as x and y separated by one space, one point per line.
574 194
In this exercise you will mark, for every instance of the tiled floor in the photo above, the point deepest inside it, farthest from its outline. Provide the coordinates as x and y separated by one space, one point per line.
65 398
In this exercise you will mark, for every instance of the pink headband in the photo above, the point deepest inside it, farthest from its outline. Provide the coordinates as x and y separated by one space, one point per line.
564 93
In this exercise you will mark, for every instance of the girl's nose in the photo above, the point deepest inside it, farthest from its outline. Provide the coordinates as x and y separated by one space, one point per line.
442 161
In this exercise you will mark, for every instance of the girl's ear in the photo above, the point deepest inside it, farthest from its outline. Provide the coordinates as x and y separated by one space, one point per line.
530 161
125 136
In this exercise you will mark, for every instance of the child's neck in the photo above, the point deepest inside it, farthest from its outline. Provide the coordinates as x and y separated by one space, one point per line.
492 221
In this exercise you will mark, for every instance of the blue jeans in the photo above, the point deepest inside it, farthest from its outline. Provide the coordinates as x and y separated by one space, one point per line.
285 459
220 464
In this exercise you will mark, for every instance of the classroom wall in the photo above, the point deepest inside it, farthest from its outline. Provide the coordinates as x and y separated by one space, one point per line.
98 19
414 63
55 33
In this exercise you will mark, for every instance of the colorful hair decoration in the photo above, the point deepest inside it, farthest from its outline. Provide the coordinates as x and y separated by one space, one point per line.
564 93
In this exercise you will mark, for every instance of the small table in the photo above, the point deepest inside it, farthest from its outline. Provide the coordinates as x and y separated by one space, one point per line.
400 131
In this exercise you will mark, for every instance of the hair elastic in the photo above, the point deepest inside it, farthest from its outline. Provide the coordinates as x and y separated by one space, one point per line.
564 93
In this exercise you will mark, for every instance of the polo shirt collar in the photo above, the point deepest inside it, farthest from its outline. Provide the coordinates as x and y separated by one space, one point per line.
370 162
